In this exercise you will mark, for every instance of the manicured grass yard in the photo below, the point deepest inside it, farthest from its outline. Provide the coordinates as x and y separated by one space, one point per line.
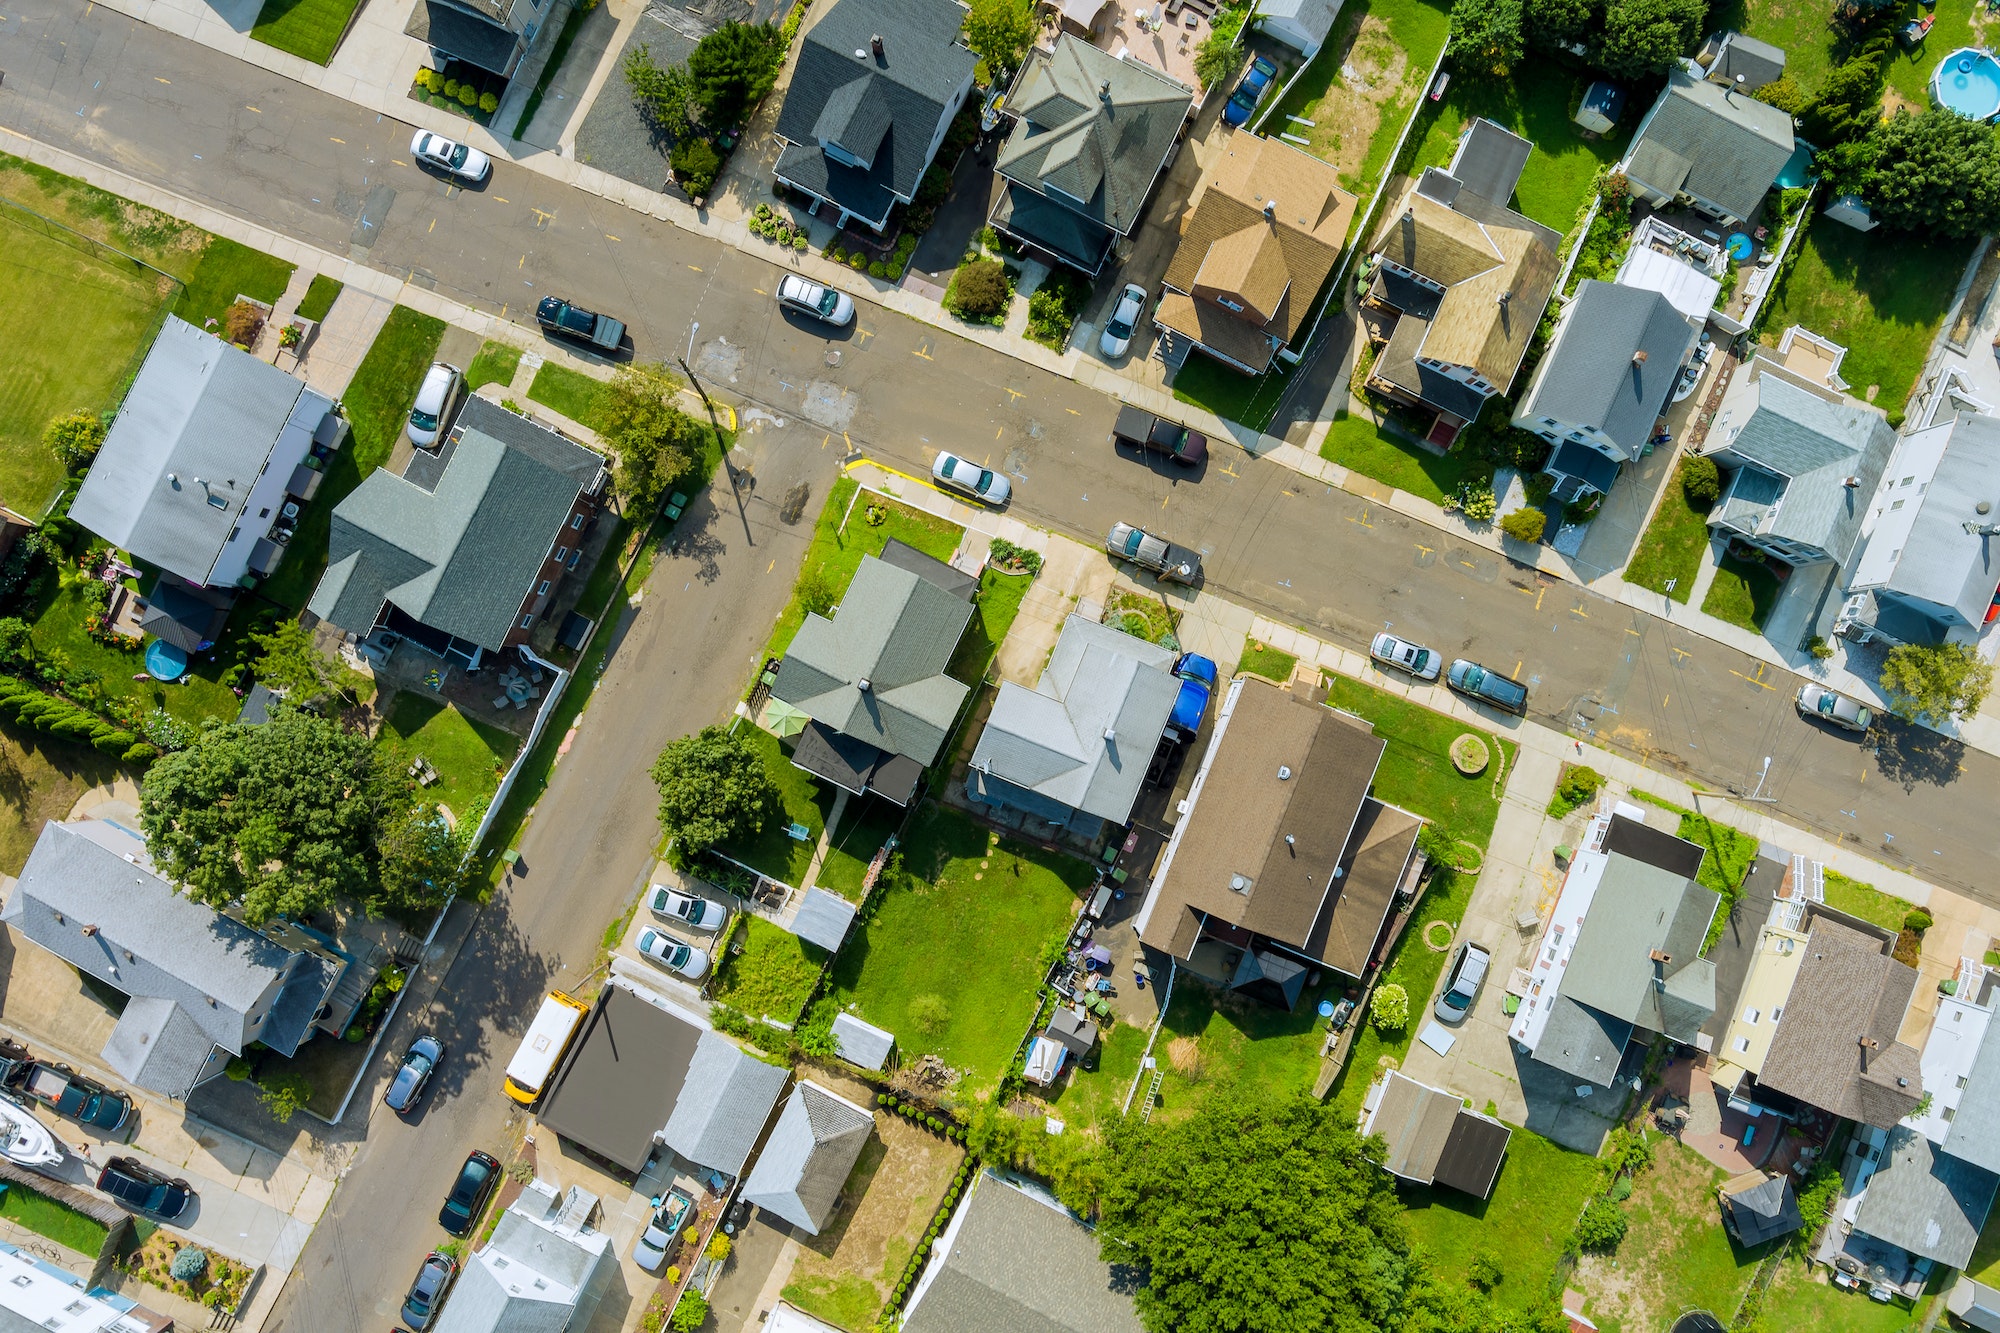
1536 1198
468 756
995 605
1802 1298
1358 444
1910 68
225 271
1266 661
774 851
1669 551
1221 1044
952 960
854 845
1677 1254
1248 400
41 777
773 975
1416 771
309 29
496 363
570 392
1799 27
45 1217
1870 904
1744 592
320 296
1362 85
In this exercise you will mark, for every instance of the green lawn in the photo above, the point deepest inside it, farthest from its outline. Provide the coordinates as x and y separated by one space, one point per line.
570 392
1534 1205
1984 1266
1362 85
1879 295
1416 771
1247 400
225 271
1870 904
952 960
469 756
1223 1044
377 403
1263 660
58 1221
773 974
1910 70
1084 1098
1359 445
55 614
994 608
854 845
1744 592
496 363
774 851
319 297
1799 27
1677 1255
1669 552
1802 1298
309 29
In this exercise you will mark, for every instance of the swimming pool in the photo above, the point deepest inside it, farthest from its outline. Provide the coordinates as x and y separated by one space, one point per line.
1968 81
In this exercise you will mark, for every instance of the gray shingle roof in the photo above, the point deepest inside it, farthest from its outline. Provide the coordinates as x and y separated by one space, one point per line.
208 416
1763 1211
823 919
1847 988
1051 739
1924 1201
723 1104
805 1162
1975 1129
1581 1041
1489 160
464 556
1814 446
896 631
1589 378
1017 1264
1716 144
1415 1122
497 1291
158 1046
862 1043
1641 909
1941 562
1052 226
1757 63
1313 17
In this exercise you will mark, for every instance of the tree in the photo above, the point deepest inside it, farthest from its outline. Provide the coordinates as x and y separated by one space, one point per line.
1701 482
732 68
979 289
655 441
1486 35
713 787
1601 1227
1390 1007
293 666
690 1312
1214 61
423 859
663 95
1935 171
1000 31
1549 24
1643 37
277 817
1935 682
284 1093
696 166
75 438
1850 97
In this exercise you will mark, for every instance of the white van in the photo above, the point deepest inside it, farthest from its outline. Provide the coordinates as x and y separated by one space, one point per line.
542 1049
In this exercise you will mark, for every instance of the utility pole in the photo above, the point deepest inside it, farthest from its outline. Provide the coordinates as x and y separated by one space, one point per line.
716 426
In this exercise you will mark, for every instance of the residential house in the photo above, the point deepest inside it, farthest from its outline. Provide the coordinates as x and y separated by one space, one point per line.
804 1164
35 1294
1802 461
1282 864
1604 381
873 90
1710 147
1974 1136
1459 283
1092 135
193 475
1433 1137
1265 232
1760 1003
723 1105
463 552
1757 1207
1952 1054
1303 25
1835 1046
1927 569
1920 1199
544 1268
1733 60
1073 751
202 984
1013 1260
492 35
872 678
1621 952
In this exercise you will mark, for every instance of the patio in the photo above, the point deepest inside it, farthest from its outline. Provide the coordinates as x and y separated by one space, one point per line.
1166 36
406 666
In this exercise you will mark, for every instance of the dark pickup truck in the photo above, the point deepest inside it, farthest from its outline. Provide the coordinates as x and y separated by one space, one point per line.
1140 429
564 320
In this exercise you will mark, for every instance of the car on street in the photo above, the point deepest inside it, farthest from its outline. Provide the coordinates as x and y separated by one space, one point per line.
434 399
560 319
1136 428
1117 336
71 1095
689 909
1405 656
419 1063
674 955
469 1191
1243 102
1487 686
1168 562
981 483
1817 701
144 1190
1461 984
434 150
810 298
427 1293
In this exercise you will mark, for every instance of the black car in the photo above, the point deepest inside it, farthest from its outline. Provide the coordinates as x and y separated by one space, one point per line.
407 1088
559 317
427 1292
142 1189
70 1094
467 1199
1487 686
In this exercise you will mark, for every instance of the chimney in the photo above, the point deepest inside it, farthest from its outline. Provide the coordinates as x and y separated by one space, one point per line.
1104 90
90 932
1639 357
1851 482
1110 734
1868 1043
862 684
1504 298
1661 957
875 45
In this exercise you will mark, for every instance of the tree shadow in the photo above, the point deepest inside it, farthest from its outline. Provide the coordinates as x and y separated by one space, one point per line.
1909 755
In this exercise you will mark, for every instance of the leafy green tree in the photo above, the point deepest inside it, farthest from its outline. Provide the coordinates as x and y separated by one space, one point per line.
1549 24
1601 1227
1850 97
1214 61
284 1093
690 1312
1935 171
713 787
1486 36
1000 32
731 69
1389 1007
655 441
75 438
664 94
277 817
423 859
1935 682
1643 37
292 665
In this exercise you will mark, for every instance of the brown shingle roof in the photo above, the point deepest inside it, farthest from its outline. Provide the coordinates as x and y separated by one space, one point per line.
1847 990
1213 327
1378 852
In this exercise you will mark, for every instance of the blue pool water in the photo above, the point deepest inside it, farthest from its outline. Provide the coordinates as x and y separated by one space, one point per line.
1798 169
165 662
1968 81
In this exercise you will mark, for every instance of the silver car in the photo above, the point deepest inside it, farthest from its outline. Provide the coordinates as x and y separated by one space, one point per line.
673 954
1117 339
1817 701
671 904
810 298
434 150
1462 985
1405 656
434 400
981 483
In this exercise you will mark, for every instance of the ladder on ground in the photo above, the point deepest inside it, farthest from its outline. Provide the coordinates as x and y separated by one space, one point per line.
1152 1095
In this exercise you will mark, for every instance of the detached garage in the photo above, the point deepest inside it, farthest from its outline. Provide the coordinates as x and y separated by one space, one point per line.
622 1079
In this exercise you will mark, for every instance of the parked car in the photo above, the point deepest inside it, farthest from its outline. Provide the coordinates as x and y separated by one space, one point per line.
562 320
1243 102
981 483
810 298
434 399
70 1094
142 1189
467 1199
1137 428
1461 984
419 1063
1117 336
1405 656
1487 686
674 955
689 909
1170 563
650 1250
1197 677
427 1293
434 150
1817 701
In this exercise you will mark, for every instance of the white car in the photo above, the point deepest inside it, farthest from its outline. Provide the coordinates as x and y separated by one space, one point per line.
1405 656
434 399
460 160
981 483
1824 704
1463 985
674 955
1117 339
809 298
672 905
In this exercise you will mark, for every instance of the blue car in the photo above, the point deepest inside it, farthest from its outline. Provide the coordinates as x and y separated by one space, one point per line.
1243 101
1197 676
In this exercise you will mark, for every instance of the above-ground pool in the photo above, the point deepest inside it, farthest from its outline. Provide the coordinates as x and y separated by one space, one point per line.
1968 81
165 662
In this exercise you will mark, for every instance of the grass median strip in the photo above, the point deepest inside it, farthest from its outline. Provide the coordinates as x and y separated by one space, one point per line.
308 29
58 1221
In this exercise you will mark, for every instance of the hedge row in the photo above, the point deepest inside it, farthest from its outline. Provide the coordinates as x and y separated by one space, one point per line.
23 703
919 1114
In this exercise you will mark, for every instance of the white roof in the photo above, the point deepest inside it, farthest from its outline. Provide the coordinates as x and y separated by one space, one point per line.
1957 1032
1558 942
1690 290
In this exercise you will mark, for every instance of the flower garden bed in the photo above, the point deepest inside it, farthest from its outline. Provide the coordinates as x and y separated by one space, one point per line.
221 1285
461 89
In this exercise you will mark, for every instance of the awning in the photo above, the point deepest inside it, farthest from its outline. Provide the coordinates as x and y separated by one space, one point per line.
1083 13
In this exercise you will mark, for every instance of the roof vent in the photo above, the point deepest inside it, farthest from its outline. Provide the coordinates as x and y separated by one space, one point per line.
1639 357
174 480
875 45
1110 734
1271 209
1902 1083
862 685
1104 90
860 53
1240 883
1290 841
1284 772
1504 298
1983 507
1851 482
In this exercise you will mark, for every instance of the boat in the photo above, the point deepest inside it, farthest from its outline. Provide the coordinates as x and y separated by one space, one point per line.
25 1140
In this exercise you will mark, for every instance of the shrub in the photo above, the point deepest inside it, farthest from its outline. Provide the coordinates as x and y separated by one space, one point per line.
799 241
1917 919
1701 482
141 753
241 322
878 270
1390 1008
1437 846
1819 648
1579 786
450 89
857 261
1215 60
468 96
1485 1273
979 289
488 103
696 166
75 438
189 1263
1476 501
237 1070
718 1247
690 1312
1601 1227
1525 525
